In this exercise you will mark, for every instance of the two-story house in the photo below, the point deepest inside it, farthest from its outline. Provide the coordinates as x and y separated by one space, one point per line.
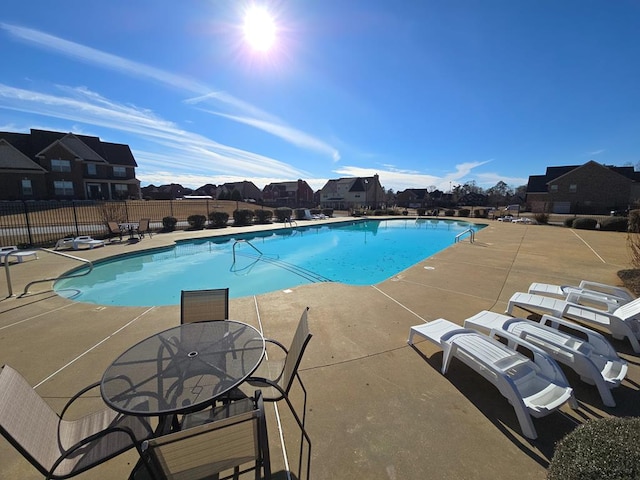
358 192
589 188
413 198
247 190
45 165
288 194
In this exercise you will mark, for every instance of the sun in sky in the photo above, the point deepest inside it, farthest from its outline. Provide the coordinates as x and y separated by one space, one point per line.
259 28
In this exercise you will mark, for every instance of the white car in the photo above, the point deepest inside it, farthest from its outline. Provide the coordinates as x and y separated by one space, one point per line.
506 218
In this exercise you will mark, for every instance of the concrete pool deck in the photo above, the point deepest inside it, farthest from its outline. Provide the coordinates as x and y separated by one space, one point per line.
377 408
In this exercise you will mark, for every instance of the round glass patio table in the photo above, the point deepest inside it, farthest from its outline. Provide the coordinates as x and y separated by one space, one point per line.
183 369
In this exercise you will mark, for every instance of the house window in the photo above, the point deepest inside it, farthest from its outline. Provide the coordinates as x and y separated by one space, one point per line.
573 188
60 165
63 189
122 190
92 169
553 188
27 189
119 172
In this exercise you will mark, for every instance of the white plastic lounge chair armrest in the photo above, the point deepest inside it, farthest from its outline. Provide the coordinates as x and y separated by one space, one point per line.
595 295
569 305
577 296
556 350
548 366
600 344
607 289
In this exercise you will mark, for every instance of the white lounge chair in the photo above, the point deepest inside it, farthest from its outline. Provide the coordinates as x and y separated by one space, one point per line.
86 241
66 242
13 251
533 387
619 295
593 358
623 321
77 242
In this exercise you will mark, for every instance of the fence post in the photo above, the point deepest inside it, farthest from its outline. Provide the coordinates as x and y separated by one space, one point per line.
75 217
126 209
26 216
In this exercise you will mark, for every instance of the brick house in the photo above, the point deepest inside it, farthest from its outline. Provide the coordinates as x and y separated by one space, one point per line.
45 165
589 188
288 194
247 190
358 192
413 198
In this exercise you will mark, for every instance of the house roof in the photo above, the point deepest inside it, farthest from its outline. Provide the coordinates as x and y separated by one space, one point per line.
287 186
538 183
12 159
617 170
417 193
351 184
83 146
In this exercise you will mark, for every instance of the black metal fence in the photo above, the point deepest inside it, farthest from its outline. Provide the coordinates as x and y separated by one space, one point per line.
43 223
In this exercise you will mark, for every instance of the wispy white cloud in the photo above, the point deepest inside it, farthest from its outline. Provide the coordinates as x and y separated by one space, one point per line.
487 180
180 148
596 152
262 120
289 134
102 59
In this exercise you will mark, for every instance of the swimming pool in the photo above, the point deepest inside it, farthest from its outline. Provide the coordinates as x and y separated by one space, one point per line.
361 252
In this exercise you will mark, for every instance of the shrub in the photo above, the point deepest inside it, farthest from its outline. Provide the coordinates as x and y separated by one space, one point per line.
379 213
585 223
196 222
568 222
242 217
464 212
327 212
602 449
263 216
480 213
219 219
614 224
449 212
634 221
543 218
169 224
633 239
282 213
421 212
299 213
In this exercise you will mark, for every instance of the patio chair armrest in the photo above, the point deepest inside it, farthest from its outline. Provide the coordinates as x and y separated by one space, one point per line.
78 395
71 450
275 342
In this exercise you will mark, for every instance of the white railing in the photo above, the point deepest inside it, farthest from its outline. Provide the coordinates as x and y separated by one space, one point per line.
470 231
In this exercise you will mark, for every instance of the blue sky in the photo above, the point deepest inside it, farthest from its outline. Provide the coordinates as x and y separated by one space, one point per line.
424 93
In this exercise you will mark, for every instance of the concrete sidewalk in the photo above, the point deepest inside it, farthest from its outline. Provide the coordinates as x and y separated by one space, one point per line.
377 408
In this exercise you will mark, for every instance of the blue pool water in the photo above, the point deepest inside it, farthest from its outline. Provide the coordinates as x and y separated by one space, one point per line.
362 252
